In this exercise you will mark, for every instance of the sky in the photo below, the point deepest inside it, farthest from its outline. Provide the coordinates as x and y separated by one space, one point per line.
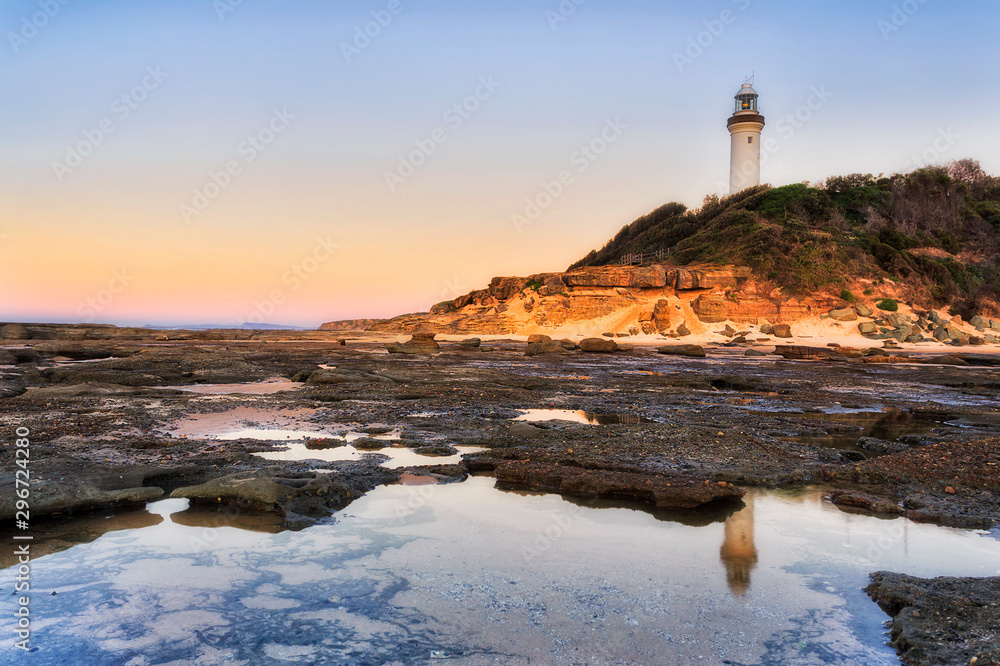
297 162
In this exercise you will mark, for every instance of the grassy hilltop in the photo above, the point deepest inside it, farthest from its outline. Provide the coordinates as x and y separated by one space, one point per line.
935 231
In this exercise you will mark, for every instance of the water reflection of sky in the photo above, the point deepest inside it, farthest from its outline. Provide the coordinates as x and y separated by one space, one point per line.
481 576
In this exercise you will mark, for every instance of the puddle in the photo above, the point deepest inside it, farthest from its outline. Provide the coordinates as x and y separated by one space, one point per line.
472 574
398 457
580 416
267 387
890 425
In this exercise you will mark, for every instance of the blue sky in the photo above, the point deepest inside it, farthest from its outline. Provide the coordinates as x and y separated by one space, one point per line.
886 81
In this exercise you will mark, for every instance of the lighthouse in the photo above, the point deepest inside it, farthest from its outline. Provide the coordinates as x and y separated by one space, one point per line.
745 126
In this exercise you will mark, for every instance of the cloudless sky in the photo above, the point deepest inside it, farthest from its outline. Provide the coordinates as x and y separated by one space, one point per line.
161 95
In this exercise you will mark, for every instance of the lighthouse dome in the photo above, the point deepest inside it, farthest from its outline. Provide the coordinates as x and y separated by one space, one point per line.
746 99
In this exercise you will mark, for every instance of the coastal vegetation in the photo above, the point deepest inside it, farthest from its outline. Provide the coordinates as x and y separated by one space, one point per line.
934 231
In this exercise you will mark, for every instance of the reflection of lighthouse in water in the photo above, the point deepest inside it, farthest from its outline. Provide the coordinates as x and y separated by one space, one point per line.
738 552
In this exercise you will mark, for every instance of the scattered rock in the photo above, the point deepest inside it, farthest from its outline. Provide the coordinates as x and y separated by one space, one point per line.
598 346
863 310
14 332
844 314
419 343
472 342
780 331
694 351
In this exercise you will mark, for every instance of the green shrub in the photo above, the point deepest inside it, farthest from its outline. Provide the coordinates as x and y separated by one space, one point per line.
887 304
868 291
847 296
534 285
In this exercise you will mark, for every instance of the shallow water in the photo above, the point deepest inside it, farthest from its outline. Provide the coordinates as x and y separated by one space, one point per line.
268 387
580 416
468 573
398 457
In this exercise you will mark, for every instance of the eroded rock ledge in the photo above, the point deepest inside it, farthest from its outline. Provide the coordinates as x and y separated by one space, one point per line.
941 620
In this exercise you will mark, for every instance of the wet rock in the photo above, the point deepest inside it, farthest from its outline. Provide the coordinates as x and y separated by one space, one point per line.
754 352
860 500
69 495
14 332
301 497
442 450
800 352
543 344
694 351
568 345
941 620
345 376
598 346
418 344
661 490
881 447
370 444
946 360
11 388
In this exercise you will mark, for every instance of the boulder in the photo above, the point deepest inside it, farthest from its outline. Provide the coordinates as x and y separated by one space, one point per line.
980 323
683 330
867 328
754 352
863 310
598 345
302 497
14 332
661 316
543 345
844 314
897 319
781 331
472 343
766 329
419 343
694 351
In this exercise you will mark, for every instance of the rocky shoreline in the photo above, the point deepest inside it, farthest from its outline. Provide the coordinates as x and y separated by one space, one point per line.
114 422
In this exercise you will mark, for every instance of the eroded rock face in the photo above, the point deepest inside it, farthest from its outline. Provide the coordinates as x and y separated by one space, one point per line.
711 277
652 277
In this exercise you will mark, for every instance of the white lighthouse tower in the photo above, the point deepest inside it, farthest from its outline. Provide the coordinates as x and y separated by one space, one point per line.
745 127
